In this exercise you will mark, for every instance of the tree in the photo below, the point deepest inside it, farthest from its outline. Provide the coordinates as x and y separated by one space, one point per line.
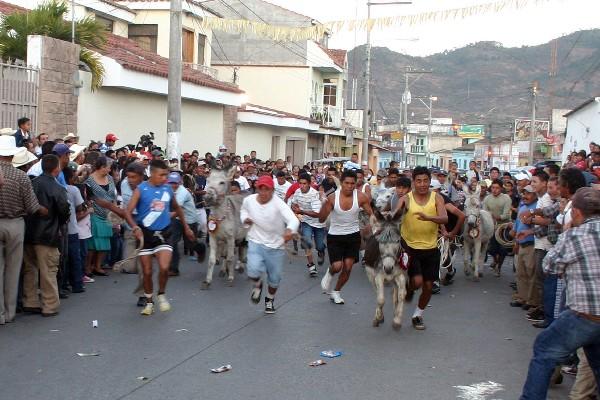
48 20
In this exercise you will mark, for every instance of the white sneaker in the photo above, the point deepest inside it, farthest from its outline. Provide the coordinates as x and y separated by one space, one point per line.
336 298
163 303
326 282
148 309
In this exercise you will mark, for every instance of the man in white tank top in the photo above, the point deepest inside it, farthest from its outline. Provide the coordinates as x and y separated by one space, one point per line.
361 184
343 239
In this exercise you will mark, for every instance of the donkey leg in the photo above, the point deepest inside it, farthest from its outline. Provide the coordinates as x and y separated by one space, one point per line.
212 258
467 258
380 292
242 251
229 261
399 293
476 257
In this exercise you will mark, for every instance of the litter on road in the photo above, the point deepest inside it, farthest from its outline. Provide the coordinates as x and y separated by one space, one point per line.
223 368
316 363
95 323
93 354
331 353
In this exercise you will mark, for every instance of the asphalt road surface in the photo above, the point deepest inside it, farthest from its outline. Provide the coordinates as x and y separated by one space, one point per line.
475 346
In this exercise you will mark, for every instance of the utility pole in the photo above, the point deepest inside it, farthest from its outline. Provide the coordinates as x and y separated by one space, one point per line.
534 89
72 21
366 111
429 133
175 73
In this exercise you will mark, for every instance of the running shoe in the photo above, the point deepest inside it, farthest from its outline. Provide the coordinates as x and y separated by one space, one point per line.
436 288
87 279
269 306
142 301
336 298
256 294
540 325
418 323
163 303
148 309
312 270
536 315
326 282
320 257
570 370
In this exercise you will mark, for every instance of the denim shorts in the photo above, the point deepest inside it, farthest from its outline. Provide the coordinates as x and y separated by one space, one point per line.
265 260
307 232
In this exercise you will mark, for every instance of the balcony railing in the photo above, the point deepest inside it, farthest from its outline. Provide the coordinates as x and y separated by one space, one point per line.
417 149
212 72
330 116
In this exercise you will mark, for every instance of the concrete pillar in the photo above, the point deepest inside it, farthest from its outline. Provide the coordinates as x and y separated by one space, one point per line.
230 114
58 63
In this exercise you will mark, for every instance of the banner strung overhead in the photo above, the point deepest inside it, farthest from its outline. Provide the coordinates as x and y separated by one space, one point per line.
316 32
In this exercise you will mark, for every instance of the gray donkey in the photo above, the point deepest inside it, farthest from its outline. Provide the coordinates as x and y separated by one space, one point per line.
477 232
225 229
383 264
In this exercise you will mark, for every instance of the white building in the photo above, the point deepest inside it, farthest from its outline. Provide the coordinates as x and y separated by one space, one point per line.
583 127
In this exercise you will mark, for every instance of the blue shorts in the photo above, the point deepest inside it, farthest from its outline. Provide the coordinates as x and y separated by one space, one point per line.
308 232
265 260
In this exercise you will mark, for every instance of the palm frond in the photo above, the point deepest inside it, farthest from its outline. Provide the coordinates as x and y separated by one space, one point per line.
92 60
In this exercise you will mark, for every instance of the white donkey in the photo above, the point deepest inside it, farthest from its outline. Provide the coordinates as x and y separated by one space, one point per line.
387 267
477 232
225 229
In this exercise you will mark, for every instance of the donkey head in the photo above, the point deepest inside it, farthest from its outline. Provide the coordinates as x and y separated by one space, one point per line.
217 185
472 205
388 237
384 198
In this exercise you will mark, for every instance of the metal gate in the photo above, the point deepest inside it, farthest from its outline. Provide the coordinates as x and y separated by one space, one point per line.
18 95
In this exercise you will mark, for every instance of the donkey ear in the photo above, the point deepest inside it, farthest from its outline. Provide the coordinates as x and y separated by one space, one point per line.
478 190
376 211
231 172
466 189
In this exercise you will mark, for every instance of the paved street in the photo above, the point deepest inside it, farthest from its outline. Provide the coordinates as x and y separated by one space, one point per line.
466 342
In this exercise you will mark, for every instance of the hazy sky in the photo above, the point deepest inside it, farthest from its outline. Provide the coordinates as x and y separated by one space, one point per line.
531 25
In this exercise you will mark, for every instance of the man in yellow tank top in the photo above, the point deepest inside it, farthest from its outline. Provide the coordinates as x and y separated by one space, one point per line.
424 212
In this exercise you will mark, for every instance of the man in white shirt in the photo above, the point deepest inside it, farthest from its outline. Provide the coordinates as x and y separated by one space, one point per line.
281 185
244 185
272 223
306 203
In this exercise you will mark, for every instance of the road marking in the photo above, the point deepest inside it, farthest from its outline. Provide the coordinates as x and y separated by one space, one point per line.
478 391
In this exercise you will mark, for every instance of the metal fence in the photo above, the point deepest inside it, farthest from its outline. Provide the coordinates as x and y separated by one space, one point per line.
18 95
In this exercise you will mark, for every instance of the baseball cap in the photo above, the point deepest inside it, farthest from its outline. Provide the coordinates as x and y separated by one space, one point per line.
435 184
529 189
265 180
442 172
201 163
587 199
522 176
112 137
70 136
61 149
382 173
174 177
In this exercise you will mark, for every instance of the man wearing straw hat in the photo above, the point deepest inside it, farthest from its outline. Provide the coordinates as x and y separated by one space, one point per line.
17 199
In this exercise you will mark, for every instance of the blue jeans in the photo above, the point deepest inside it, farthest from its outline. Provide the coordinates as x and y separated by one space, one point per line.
549 297
74 266
176 233
308 232
265 260
554 346
83 250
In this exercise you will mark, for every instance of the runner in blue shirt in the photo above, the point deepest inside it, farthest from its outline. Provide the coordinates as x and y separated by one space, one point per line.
153 200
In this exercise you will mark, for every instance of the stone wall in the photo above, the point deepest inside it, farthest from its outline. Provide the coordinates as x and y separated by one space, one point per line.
230 127
58 62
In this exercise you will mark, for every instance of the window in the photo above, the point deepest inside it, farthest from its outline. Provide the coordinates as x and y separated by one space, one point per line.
187 50
201 48
330 92
108 23
144 35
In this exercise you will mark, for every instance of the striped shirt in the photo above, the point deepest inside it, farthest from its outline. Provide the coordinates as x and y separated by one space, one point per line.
309 201
576 256
17 198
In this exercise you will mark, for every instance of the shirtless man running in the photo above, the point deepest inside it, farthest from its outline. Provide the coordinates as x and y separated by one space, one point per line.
343 239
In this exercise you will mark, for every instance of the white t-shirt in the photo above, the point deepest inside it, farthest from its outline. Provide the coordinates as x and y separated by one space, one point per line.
281 190
543 243
565 218
309 201
84 226
244 185
35 169
75 200
269 221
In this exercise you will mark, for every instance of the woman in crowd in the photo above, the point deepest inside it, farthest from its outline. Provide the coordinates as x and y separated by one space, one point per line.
102 192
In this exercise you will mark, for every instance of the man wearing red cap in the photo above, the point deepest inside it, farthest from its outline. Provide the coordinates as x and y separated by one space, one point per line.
272 223
109 142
